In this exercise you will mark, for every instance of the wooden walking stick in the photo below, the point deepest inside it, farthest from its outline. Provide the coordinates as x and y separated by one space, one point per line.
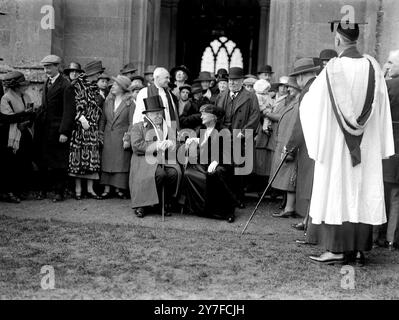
264 192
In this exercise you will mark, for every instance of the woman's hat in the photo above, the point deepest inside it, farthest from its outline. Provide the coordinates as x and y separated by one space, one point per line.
73 66
50 59
94 67
14 79
185 86
266 69
181 68
261 85
236 73
249 81
153 104
138 78
123 81
210 108
293 84
196 88
304 65
104 76
134 87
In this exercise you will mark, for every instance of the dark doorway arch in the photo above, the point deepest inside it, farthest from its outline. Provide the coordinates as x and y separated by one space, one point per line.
202 21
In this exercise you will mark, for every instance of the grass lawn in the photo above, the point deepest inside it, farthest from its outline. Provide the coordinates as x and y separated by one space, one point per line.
107 260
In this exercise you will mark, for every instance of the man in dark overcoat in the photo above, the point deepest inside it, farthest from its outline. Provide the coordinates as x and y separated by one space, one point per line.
51 148
241 113
150 139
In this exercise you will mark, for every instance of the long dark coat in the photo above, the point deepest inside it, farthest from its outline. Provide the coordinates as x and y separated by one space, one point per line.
391 165
49 151
286 177
114 125
191 116
296 141
245 109
142 184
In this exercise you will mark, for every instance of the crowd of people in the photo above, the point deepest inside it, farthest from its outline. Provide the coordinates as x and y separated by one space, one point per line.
172 142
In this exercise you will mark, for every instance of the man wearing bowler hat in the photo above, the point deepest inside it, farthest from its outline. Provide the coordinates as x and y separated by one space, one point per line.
51 147
149 75
241 112
347 126
129 70
152 141
326 55
266 73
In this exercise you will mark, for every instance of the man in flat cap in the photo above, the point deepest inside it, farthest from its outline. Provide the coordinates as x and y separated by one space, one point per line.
347 125
52 149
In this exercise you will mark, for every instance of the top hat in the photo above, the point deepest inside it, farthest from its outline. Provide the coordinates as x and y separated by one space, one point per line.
349 29
196 88
130 67
211 108
236 73
328 54
150 69
14 78
204 76
304 65
94 67
73 66
293 84
123 81
180 68
185 86
266 69
153 104
50 59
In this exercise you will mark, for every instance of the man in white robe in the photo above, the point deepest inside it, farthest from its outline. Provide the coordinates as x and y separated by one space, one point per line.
347 108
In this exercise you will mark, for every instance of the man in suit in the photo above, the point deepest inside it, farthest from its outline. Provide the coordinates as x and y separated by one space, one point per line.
242 116
52 151
150 171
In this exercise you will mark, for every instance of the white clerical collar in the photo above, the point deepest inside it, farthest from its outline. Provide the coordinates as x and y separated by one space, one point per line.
52 79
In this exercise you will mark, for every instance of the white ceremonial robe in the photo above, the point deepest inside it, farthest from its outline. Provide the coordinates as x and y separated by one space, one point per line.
341 192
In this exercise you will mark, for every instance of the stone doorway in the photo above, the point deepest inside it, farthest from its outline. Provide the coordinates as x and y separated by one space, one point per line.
203 22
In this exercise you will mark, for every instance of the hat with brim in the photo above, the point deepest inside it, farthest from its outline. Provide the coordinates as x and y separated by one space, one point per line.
293 84
223 77
249 81
73 66
212 109
282 81
196 88
265 69
104 76
137 86
348 29
127 68
185 86
204 76
328 54
236 73
123 81
137 78
14 79
94 67
150 69
180 68
153 104
304 65
50 60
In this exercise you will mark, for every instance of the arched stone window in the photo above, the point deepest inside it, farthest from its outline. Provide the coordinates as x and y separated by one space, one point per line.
221 53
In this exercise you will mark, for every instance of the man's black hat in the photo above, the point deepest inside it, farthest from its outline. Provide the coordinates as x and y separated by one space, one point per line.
266 69
328 54
153 104
348 29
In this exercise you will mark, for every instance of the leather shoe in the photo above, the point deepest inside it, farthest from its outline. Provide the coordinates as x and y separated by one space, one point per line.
91 195
391 246
58 197
360 259
299 226
283 214
231 218
139 212
329 258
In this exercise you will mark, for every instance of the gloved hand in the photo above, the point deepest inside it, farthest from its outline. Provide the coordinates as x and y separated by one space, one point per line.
212 166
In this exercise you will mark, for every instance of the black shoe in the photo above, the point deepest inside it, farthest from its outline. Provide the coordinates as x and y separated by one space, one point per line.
391 246
231 218
121 195
139 212
78 196
299 226
58 197
105 195
360 259
40 195
12 198
91 195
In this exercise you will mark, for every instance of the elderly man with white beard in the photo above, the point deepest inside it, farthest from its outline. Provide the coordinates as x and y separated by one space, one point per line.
346 121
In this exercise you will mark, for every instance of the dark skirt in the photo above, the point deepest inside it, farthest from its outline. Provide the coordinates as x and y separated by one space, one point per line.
208 194
118 180
347 237
263 161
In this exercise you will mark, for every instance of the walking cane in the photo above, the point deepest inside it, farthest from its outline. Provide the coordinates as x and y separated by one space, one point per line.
264 192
